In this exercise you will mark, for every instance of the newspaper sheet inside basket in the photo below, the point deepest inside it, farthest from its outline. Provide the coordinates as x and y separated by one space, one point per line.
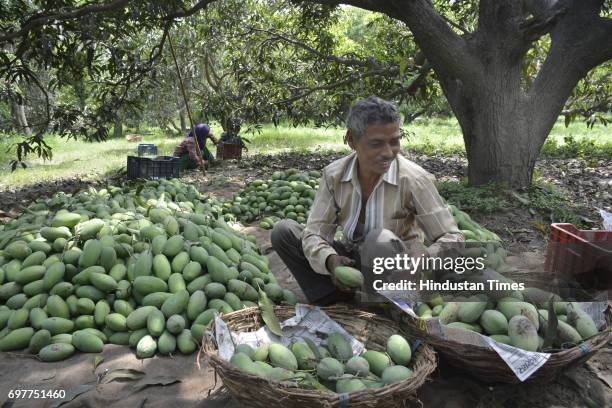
522 363
308 322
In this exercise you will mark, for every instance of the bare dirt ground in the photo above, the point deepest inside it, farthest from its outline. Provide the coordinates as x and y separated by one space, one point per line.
179 381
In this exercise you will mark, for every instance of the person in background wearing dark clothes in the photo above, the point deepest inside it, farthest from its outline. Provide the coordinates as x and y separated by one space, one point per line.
186 150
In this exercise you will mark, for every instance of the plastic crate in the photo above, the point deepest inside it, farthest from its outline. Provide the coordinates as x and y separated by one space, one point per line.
159 167
227 151
147 149
581 255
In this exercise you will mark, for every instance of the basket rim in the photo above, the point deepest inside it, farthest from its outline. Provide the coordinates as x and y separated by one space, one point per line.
599 337
420 374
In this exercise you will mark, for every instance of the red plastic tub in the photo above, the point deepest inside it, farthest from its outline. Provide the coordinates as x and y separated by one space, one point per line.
227 151
581 255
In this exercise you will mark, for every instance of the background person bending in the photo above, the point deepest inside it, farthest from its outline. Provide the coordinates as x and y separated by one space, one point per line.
186 150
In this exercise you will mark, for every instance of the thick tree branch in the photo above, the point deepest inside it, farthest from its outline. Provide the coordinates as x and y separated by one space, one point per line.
601 42
411 117
414 86
546 15
157 50
211 67
211 77
419 80
540 8
574 52
200 5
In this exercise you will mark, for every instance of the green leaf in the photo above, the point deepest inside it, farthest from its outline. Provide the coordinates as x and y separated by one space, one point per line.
98 359
402 66
267 313
551 329
313 347
123 374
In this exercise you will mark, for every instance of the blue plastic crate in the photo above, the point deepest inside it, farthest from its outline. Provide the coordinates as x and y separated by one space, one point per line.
147 149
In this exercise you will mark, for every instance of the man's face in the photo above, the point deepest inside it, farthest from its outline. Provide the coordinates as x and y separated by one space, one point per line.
377 148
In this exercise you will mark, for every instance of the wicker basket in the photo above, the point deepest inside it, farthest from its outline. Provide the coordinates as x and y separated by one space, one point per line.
368 328
485 364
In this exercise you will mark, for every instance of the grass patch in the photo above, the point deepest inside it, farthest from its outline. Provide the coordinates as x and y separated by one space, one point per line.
572 147
285 138
433 136
76 159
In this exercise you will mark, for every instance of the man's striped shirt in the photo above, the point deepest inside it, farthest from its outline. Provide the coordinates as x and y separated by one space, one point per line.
404 201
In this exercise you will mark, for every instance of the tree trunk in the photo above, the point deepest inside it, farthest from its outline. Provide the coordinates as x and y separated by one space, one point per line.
498 144
182 120
79 90
19 118
501 140
118 130
503 135
175 129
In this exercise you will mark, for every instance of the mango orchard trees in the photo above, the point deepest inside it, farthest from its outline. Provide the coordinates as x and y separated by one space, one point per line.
506 67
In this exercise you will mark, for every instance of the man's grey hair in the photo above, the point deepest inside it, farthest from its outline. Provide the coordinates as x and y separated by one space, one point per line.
370 111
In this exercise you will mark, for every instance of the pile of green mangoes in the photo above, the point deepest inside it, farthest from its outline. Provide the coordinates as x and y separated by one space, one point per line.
147 266
288 194
471 230
333 368
520 319
480 242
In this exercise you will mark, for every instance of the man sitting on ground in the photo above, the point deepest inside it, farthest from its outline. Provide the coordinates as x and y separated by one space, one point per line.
375 195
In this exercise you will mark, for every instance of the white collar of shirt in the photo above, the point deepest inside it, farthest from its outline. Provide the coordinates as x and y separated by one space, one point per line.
351 171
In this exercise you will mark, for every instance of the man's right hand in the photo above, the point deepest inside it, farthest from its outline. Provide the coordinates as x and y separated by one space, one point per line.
332 262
